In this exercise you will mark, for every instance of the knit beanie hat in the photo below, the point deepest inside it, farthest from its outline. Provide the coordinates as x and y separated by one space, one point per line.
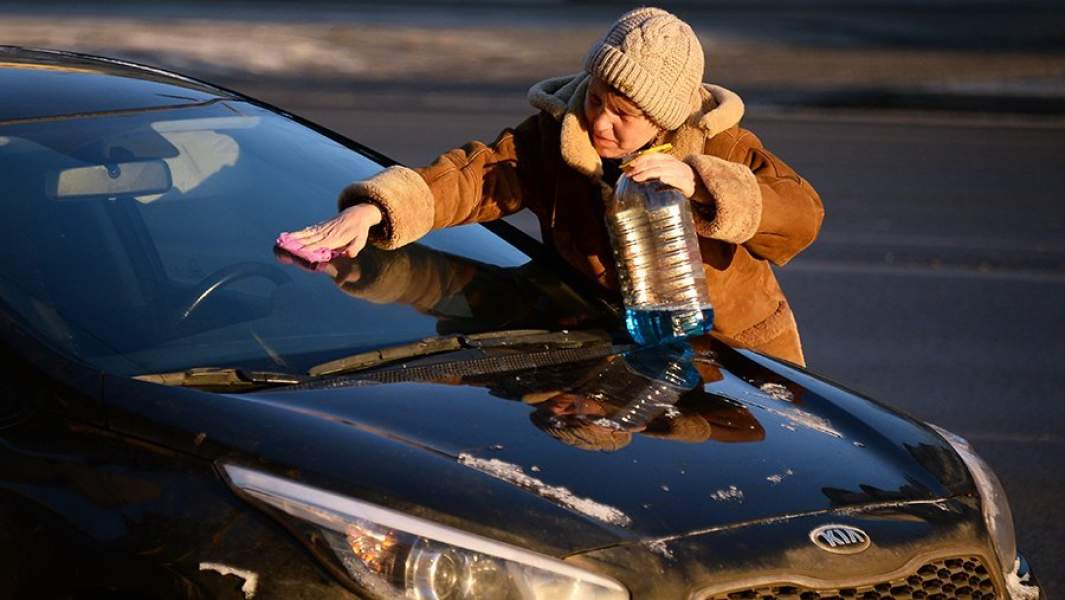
655 60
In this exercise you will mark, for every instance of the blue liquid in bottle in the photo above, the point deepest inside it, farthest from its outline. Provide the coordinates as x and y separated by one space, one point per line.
653 326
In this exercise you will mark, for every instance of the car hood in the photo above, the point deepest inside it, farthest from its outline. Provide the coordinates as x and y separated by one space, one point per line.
733 438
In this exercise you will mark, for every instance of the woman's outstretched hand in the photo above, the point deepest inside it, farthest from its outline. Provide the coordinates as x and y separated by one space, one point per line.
347 232
665 168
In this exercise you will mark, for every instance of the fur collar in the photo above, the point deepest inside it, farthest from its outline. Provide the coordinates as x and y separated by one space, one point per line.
563 98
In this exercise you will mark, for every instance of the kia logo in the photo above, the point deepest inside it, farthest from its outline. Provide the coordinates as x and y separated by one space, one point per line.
840 539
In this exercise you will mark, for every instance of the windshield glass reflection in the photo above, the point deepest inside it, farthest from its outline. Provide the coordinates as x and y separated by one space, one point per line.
463 295
143 243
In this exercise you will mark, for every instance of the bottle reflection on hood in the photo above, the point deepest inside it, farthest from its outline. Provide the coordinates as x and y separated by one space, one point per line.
656 391
622 396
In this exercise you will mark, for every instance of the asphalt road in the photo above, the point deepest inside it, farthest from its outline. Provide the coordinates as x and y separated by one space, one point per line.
937 284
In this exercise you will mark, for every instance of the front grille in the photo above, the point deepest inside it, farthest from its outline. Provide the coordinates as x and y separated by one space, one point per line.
944 579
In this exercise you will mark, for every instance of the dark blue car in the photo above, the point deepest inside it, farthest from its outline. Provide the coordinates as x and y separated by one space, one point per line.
189 413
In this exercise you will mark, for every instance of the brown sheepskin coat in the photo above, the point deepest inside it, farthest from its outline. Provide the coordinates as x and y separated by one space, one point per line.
751 210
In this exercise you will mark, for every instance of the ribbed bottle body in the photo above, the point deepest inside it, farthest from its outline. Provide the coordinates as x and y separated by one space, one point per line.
660 269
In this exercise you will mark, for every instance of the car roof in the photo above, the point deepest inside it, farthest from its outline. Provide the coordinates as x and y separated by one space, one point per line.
45 84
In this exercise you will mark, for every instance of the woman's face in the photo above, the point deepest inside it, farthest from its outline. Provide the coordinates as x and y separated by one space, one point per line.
615 125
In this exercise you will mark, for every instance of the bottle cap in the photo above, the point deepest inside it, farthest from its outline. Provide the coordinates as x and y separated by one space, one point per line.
651 150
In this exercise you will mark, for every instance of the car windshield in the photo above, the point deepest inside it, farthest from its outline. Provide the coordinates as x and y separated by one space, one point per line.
143 242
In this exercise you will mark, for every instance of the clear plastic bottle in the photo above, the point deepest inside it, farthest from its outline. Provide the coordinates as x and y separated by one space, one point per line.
659 265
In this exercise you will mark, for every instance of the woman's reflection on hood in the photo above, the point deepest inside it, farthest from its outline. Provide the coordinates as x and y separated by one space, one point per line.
464 295
654 391
657 391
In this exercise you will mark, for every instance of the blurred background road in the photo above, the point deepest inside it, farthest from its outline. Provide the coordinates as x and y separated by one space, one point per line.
934 131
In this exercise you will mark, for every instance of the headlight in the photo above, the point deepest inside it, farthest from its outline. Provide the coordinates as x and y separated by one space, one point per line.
390 554
993 500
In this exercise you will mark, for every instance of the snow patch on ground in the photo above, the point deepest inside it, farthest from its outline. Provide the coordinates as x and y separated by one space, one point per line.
515 475
251 578
732 494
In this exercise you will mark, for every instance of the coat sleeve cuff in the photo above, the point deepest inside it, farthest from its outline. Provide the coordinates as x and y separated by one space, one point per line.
405 200
727 202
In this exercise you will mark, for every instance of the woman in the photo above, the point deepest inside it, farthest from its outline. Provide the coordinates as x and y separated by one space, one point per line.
641 86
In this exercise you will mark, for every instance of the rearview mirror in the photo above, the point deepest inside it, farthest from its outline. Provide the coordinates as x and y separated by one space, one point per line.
119 179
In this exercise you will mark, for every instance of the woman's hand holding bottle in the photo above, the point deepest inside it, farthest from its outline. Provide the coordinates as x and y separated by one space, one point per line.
665 168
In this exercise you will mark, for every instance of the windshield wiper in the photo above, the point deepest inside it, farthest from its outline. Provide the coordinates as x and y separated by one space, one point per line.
514 338
223 379
228 379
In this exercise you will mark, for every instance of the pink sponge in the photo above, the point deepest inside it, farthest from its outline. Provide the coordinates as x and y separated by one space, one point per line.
286 242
